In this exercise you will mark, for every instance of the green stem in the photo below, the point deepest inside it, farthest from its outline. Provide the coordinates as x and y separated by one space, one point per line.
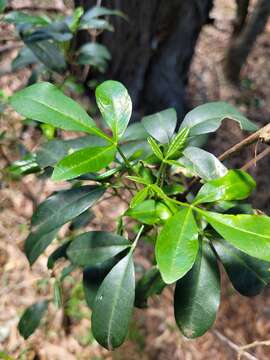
137 237
160 172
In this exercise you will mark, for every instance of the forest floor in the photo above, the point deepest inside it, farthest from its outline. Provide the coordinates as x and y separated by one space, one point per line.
153 334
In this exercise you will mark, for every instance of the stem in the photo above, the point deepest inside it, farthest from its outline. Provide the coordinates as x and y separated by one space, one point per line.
137 237
160 173
257 158
262 134
126 161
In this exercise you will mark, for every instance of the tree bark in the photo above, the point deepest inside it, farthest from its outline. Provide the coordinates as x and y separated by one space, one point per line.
152 52
242 41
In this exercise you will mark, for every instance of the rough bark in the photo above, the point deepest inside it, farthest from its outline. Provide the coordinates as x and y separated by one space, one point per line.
242 41
152 52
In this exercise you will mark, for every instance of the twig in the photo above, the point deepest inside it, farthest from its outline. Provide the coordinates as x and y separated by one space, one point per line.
257 158
234 346
263 134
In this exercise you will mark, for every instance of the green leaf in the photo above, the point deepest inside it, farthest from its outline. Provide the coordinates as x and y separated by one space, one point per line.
45 103
248 233
94 54
57 30
150 283
57 294
144 212
48 53
235 185
156 149
93 277
63 206
60 252
139 180
3 4
83 161
19 18
197 295
248 275
178 143
161 125
53 151
139 197
97 11
177 246
36 243
31 318
115 106
24 58
208 117
24 166
203 163
94 247
135 132
113 305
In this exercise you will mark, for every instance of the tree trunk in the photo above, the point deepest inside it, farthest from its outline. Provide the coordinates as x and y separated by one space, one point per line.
244 37
152 52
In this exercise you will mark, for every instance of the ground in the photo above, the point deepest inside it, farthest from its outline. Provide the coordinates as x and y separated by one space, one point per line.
153 333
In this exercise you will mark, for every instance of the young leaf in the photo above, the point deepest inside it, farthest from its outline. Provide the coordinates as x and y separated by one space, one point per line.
156 149
139 180
57 294
150 283
139 197
45 103
197 295
31 317
135 132
144 212
19 18
248 233
94 247
115 106
235 185
83 161
177 246
36 243
208 117
113 305
178 143
63 207
248 275
204 164
161 125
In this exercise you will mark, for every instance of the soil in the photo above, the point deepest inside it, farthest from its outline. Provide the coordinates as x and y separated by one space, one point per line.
153 333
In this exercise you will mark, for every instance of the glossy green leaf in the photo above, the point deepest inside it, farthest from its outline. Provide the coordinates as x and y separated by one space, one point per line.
83 161
248 275
235 185
113 304
55 150
59 253
139 197
156 149
248 233
44 102
203 163
36 243
57 30
63 206
177 246
177 144
115 106
24 166
150 283
208 117
161 126
31 318
94 247
144 212
197 295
